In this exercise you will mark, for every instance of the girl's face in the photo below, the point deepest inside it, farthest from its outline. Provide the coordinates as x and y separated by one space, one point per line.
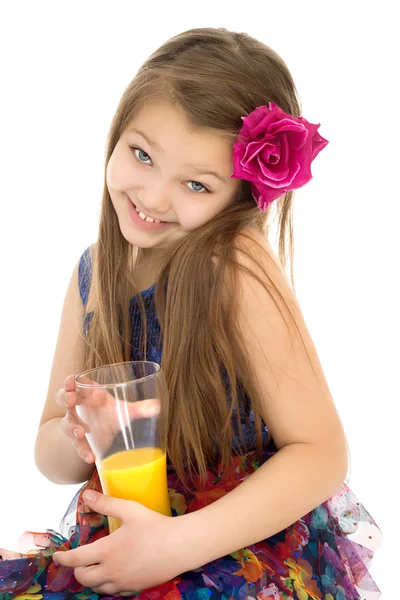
161 167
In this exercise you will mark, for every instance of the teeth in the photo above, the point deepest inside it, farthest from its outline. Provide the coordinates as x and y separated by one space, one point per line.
145 217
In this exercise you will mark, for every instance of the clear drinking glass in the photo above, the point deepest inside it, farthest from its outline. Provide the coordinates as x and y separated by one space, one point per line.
124 410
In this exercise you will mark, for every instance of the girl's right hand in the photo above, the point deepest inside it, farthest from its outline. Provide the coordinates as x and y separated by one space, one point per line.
71 425
105 429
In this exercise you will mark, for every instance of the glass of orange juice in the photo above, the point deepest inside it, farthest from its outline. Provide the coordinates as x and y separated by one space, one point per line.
124 410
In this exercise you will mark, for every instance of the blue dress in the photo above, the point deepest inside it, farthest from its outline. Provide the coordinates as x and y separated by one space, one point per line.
322 556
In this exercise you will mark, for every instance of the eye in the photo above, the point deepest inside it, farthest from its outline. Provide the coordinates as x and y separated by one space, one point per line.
141 152
201 185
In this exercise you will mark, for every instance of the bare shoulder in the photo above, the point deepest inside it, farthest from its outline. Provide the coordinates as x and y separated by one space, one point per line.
256 255
249 241
269 315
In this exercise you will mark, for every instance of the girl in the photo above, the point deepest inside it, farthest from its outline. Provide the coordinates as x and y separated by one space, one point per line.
206 141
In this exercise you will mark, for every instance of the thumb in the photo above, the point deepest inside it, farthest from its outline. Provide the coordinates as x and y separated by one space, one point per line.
144 408
107 505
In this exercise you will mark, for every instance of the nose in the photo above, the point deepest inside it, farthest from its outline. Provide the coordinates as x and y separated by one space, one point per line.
155 199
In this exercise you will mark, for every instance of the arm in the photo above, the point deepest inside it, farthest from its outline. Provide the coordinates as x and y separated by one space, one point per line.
285 488
55 455
311 462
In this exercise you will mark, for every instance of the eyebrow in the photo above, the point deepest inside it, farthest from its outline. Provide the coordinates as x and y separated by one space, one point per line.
198 170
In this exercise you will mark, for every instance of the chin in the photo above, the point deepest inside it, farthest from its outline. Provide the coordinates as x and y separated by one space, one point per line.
140 239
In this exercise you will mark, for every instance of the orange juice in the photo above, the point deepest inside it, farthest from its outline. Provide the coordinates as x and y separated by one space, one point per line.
139 474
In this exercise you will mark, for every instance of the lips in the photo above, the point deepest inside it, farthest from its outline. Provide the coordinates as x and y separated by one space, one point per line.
142 223
145 213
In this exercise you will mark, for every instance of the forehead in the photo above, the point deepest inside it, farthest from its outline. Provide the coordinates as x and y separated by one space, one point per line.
173 134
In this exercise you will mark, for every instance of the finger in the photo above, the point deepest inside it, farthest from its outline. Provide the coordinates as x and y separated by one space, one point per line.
60 397
65 399
69 425
84 556
69 383
144 408
74 425
77 435
111 507
91 576
111 589
86 386
93 396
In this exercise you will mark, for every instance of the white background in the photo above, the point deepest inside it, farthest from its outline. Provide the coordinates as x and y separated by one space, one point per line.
64 67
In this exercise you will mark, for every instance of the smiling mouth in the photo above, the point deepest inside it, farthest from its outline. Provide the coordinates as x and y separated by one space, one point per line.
148 221
146 217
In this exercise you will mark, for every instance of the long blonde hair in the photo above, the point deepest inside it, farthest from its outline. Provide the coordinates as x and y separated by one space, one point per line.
216 76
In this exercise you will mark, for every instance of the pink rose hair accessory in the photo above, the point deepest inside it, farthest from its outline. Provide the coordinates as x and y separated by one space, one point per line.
274 151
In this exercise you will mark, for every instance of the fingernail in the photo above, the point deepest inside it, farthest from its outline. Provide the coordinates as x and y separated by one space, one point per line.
76 433
90 495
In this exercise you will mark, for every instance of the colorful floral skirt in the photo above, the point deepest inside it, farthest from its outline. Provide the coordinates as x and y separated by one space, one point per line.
312 559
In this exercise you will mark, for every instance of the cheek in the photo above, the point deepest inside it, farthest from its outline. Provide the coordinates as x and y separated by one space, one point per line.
196 215
119 172
111 173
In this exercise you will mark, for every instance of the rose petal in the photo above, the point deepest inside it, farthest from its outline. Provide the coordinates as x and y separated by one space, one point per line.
298 130
318 143
253 148
264 197
263 126
282 183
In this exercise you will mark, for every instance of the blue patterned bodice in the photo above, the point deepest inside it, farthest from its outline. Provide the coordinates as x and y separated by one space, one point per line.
154 342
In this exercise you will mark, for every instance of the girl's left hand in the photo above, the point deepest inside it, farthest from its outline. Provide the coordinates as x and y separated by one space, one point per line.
147 550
